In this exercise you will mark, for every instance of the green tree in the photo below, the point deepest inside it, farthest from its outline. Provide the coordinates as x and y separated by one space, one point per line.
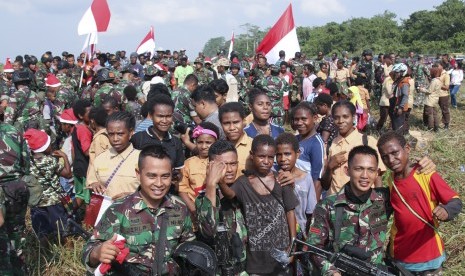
213 45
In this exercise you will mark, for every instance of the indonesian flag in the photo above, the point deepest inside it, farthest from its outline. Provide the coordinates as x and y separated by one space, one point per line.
147 44
95 19
90 43
231 45
282 36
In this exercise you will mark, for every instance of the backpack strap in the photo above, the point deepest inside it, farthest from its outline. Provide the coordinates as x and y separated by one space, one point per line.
365 139
157 266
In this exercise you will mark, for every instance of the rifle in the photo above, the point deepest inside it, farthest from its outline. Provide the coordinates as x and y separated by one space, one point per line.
78 229
344 261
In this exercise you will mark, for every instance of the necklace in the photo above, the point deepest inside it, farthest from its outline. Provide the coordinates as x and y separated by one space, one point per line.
260 130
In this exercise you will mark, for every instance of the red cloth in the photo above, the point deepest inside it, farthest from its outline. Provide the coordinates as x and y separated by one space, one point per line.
411 240
124 251
84 136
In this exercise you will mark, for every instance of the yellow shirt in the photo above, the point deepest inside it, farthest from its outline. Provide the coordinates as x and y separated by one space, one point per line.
364 96
411 91
243 147
434 90
125 180
340 144
194 173
386 93
341 75
322 75
445 79
100 143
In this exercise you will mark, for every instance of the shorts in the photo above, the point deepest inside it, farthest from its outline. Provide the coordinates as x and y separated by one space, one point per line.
80 190
49 220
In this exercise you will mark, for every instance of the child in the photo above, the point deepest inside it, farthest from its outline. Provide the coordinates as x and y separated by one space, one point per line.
67 122
267 207
130 92
326 128
49 216
342 77
195 168
303 118
287 153
81 138
420 201
100 143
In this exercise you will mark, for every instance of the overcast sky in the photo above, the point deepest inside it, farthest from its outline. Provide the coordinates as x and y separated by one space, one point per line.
35 26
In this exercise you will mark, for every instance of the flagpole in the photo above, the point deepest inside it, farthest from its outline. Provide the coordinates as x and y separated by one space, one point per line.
84 63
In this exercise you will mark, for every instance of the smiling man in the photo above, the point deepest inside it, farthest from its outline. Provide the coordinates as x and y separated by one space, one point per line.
152 221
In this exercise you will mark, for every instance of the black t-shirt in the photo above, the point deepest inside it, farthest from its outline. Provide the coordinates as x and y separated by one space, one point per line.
171 144
266 223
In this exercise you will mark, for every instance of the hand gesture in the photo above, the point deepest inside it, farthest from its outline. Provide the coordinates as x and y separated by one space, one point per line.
440 213
215 172
337 160
427 165
285 178
107 252
58 153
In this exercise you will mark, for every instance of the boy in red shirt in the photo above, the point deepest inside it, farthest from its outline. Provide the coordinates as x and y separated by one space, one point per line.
420 202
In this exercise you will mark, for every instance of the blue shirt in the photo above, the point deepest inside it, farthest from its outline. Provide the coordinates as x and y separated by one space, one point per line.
146 123
252 131
311 158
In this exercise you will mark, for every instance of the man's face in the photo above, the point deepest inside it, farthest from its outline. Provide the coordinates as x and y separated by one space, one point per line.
261 62
122 54
51 94
233 126
162 117
263 158
175 55
286 157
283 69
133 60
119 135
142 60
411 54
363 171
16 65
183 62
9 76
230 160
198 65
220 69
200 109
109 109
388 61
320 55
235 71
70 61
220 99
192 86
155 180
394 156
334 57
368 57
85 118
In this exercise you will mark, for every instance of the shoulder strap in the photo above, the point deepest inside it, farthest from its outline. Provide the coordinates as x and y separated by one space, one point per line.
337 228
116 169
157 266
23 104
365 139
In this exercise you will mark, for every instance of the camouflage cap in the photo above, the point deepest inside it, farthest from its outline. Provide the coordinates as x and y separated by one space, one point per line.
198 60
367 52
274 68
223 62
150 70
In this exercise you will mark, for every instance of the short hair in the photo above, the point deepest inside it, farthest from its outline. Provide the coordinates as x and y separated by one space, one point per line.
159 88
191 79
363 150
108 99
283 63
359 81
212 127
130 92
80 106
99 115
323 98
144 109
317 82
220 147
333 89
262 140
287 138
205 93
310 107
123 116
231 107
323 64
340 61
70 56
155 151
356 59
160 99
219 86
391 135
346 104
255 92
309 67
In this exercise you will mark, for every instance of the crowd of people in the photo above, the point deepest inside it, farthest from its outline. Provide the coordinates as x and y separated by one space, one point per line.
207 168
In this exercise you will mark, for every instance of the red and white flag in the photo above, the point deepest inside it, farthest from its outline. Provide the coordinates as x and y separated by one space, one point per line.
231 45
90 44
95 19
282 36
147 44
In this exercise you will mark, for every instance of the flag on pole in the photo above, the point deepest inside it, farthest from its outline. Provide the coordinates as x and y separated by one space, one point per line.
147 44
95 19
90 43
282 36
231 45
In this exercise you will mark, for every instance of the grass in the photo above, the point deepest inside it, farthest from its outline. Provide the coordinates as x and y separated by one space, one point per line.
447 150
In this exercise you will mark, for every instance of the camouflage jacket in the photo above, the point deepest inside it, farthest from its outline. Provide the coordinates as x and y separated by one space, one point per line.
65 99
245 65
316 63
140 226
123 83
363 225
40 76
75 74
347 63
31 110
421 74
411 62
209 219
183 107
105 90
367 68
66 81
7 88
14 154
243 86
257 74
276 87
204 76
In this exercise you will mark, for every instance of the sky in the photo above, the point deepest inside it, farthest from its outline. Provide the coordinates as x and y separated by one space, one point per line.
36 26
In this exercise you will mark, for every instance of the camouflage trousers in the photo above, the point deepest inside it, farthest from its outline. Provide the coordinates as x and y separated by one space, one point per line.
419 99
12 242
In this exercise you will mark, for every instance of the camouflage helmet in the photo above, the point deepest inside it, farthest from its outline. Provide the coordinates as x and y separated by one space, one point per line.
198 60
223 62
62 65
46 58
195 255
105 74
150 70
235 65
22 75
274 69
32 60
367 52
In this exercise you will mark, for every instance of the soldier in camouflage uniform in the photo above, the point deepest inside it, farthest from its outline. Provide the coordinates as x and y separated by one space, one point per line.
411 60
215 214
297 69
183 108
63 76
203 75
275 87
243 86
421 75
74 71
23 108
259 71
105 78
319 59
14 164
347 60
6 84
366 69
41 74
152 221
363 216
